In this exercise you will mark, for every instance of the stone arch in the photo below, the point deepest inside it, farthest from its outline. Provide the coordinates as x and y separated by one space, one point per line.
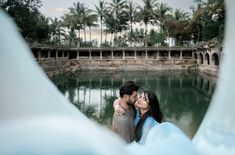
215 59
207 58
200 58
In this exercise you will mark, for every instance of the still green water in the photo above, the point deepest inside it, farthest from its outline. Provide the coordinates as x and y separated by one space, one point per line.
184 96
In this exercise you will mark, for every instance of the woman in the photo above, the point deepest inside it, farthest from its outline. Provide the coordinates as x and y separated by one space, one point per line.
148 115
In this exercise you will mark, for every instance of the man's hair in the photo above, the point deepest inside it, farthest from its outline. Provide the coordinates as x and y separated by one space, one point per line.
128 88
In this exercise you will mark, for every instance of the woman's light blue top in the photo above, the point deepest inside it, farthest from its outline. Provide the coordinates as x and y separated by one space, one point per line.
148 124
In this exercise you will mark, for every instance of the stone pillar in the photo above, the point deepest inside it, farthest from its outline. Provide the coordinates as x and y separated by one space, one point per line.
146 55
48 54
157 55
204 59
39 54
210 59
181 55
169 55
77 55
89 55
101 57
123 54
112 55
220 57
56 55
135 54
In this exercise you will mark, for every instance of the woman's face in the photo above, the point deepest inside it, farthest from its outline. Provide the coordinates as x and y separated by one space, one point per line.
142 102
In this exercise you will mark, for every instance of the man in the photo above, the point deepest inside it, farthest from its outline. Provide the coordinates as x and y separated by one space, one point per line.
123 124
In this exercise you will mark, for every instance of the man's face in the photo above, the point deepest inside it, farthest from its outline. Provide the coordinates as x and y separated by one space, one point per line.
133 97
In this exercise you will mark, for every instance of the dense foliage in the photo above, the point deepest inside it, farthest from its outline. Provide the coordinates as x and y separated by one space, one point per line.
122 20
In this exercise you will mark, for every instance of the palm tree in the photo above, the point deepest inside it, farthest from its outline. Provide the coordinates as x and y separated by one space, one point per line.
208 18
70 23
101 12
43 30
197 20
119 14
56 30
178 24
162 13
110 23
131 15
91 21
86 16
146 15
78 13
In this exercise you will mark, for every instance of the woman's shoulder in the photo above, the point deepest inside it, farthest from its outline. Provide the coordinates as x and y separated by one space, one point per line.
151 121
150 118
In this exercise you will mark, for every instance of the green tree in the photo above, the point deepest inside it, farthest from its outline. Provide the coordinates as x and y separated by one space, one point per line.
120 17
43 29
155 38
110 24
162 13
147 15
78 13
131 16
70 23
32 25
138 36
91 22
208 20
178 26
100 9
56 31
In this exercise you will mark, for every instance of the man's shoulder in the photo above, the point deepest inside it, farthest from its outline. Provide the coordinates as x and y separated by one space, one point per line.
121 118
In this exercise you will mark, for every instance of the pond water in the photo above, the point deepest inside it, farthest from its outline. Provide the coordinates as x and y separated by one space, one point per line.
184 96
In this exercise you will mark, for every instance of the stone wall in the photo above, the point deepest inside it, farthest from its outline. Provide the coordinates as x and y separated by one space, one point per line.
53 67
55 60
208 56
137 65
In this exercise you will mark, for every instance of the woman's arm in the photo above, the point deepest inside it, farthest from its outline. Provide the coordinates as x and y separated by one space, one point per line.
117 108
148 124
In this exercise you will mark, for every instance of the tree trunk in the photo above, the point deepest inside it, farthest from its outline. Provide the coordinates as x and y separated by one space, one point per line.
59 36
101 34
106 33
131 33
198 33
79 38
85 34
112 39
90 34
145 35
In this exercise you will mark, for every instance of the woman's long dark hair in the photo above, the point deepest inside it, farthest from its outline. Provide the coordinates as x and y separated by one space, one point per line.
154 107
154 111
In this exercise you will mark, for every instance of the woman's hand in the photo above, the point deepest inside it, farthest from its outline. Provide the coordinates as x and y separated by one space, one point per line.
117 108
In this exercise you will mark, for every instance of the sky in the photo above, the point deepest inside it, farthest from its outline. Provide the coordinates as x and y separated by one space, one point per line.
56 8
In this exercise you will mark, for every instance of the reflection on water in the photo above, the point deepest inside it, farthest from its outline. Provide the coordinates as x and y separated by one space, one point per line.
184 97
